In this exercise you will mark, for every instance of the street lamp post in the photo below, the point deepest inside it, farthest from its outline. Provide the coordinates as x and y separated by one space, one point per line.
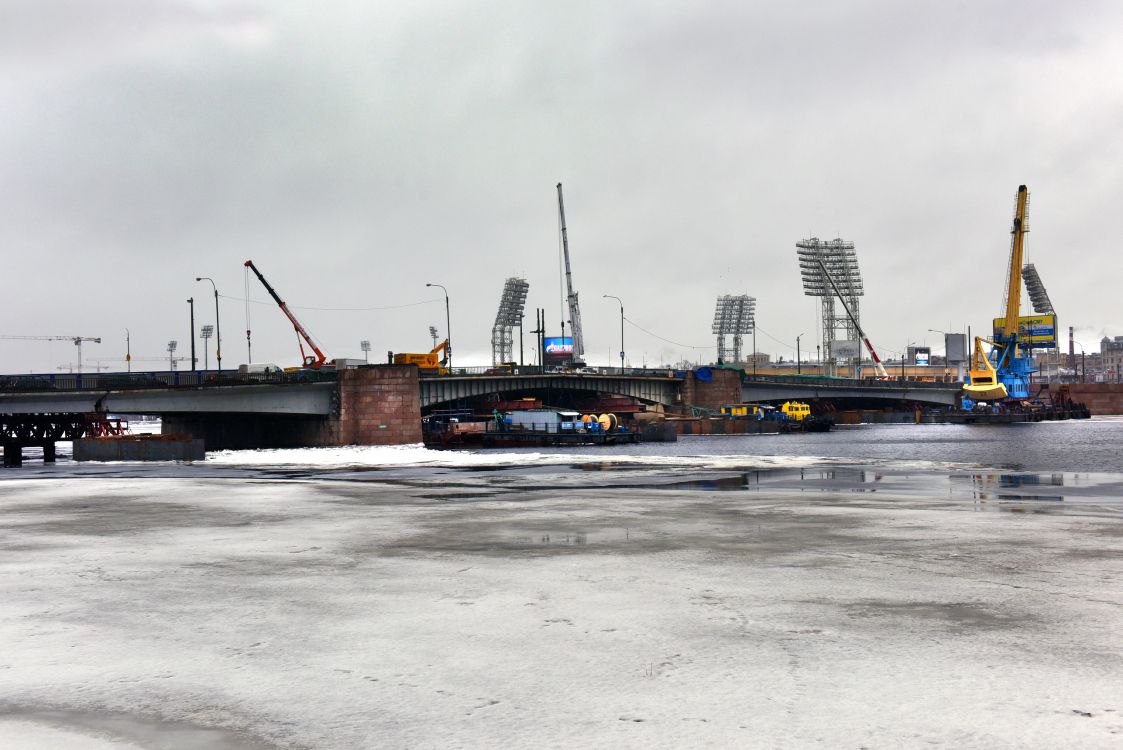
217 325
905 354
613 296
448 324
191 304
798 367
947 369
128 352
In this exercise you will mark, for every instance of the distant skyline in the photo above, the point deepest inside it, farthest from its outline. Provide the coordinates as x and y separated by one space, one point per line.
357 151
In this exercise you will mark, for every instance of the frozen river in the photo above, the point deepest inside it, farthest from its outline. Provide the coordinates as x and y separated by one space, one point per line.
905 586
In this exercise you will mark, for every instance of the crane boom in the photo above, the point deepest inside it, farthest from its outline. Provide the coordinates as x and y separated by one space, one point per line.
1014 280
574 307
313 361
865 339
76 340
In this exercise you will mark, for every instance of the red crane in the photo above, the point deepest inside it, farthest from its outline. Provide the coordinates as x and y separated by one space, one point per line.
314 362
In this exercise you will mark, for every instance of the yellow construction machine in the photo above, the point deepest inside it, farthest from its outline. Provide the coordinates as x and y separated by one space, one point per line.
429 362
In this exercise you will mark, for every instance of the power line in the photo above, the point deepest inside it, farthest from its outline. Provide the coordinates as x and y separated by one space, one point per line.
655 335
334 309
784 344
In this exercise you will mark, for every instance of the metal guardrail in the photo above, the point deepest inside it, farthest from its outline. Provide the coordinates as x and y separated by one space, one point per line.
140 380
523 370
827 382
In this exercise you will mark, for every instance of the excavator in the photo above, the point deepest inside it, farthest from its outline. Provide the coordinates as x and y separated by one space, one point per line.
433 362
310 361
1004 372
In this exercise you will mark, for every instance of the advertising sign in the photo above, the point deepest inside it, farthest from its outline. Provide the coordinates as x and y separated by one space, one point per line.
558 345
1040 330
922 356
844 349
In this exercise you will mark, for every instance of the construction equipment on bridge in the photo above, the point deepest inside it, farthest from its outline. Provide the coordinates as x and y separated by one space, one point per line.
314 361
840 333
881 373
511 306
578 356
1015 336
430 362
733 316
77 340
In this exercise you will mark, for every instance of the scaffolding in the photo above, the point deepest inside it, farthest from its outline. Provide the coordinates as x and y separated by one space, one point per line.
841 337
733 316
511 306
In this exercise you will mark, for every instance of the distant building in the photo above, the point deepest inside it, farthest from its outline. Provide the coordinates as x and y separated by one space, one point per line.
1111 357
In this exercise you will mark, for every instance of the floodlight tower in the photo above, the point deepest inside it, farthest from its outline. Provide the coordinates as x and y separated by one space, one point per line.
733 316
1042 305
510 314
838 259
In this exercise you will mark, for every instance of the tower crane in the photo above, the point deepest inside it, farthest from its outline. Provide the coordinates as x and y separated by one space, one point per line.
574 308
77 340
313 361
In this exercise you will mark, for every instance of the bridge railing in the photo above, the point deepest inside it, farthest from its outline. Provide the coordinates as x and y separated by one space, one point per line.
487 371
75 381
834 382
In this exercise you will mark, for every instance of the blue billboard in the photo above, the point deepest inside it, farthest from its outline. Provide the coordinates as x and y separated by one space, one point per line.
559 345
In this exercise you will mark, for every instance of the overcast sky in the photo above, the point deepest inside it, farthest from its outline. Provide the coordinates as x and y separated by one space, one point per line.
357 150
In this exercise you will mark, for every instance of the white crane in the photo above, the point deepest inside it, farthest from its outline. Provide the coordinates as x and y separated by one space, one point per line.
574 307
76 339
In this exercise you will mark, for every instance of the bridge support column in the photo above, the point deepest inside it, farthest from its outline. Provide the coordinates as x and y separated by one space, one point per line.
380 405
13 455
49 453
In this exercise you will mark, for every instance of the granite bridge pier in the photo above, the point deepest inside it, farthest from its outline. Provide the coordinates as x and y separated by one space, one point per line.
384 404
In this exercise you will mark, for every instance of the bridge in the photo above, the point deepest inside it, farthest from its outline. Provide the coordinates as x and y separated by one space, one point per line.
382 404
682 388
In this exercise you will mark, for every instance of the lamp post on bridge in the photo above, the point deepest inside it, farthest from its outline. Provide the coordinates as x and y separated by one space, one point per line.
191 304
798 368
217 325
613 296
905 354
448 324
